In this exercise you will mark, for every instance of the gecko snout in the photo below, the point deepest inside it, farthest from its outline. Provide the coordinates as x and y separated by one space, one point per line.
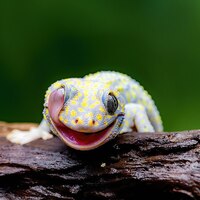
79 121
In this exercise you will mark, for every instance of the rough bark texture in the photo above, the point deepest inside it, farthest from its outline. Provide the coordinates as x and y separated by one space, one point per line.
135 165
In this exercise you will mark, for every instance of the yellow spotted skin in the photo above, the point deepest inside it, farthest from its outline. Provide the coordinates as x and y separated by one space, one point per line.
85 110
132 92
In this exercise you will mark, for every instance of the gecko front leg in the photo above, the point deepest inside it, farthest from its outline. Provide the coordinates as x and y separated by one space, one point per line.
135 115
24 137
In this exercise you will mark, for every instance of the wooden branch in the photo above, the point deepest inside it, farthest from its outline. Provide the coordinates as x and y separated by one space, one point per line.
135 165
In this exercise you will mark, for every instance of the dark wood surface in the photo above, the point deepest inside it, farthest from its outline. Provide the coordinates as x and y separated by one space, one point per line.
133 166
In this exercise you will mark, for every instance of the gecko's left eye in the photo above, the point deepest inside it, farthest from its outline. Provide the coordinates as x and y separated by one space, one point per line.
112 103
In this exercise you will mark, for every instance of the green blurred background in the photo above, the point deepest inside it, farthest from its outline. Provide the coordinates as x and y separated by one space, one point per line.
156 42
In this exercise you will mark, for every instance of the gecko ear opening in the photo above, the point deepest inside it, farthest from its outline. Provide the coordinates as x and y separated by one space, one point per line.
55 104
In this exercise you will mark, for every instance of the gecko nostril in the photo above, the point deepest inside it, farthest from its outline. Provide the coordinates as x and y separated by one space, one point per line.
93 122
76 121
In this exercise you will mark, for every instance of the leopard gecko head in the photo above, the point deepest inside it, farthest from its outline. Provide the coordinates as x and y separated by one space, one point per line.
85 114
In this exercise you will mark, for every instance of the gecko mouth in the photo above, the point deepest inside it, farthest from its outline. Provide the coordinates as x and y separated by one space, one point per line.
88 141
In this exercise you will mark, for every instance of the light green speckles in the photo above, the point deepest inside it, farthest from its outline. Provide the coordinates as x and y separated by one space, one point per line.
44 116
74 102
95 104
89 115
99 117
73 113
61 118
84 103
57 85
65 121
102 109
80 109
66 110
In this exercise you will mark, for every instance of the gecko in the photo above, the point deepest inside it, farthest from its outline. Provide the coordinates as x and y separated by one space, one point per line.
87 112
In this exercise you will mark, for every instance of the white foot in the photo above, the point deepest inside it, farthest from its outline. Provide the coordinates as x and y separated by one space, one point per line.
24 137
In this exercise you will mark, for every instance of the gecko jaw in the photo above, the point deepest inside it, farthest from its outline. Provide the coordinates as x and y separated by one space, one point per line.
87 141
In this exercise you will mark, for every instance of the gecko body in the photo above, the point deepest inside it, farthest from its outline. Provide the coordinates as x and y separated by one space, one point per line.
87 112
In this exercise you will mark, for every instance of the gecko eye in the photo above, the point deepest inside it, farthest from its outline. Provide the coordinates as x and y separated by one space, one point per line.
112 103
68 91
65 92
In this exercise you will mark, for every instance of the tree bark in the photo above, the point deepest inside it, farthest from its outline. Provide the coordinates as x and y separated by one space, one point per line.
133 166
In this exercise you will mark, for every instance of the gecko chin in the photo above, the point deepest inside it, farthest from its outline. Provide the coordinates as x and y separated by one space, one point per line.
87 141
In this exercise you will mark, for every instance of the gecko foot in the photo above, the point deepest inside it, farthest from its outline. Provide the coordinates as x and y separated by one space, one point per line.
136 116
24 137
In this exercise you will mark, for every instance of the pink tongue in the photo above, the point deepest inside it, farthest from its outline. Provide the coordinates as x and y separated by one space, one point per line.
55 104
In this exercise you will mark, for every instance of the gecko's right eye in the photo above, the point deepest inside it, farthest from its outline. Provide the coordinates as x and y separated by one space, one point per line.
64 91
68 91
